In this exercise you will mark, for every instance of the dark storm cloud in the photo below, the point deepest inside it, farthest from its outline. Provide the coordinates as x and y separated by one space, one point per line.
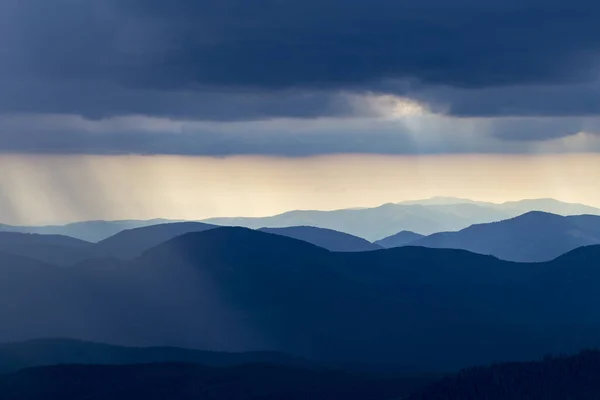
61 134
466 43
181 58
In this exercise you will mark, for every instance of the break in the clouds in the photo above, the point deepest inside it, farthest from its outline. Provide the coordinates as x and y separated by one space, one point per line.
299 77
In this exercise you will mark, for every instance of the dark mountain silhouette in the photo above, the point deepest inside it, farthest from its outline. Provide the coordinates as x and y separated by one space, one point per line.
399 239
234 289
54 249
326 238
555 378
45 352
532 237
91 231
190 381
131 243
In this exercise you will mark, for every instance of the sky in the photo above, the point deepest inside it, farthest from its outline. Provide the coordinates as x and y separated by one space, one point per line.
197 108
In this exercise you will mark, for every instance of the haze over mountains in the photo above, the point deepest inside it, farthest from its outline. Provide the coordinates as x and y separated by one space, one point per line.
521 238
423 217
235 289
91 231
439 214
303 300
532 237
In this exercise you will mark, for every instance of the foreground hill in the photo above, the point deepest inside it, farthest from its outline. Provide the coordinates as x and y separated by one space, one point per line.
399 239
131 243
190 381
326 238
560 378
532 237
234 289
46 352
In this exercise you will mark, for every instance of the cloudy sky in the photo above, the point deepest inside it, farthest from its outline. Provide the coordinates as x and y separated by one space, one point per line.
197 108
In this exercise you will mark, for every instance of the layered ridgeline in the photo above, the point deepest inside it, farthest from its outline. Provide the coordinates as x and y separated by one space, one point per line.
132 243
234 289
532 237
65 250
91 231
423 217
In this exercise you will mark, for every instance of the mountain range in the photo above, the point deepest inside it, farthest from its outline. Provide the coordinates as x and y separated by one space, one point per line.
531 237
90 231
132 243
425 217
235 289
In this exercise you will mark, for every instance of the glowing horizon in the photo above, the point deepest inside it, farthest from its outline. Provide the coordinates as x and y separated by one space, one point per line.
37 190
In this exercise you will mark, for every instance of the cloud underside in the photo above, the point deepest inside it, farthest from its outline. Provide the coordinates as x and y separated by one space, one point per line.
287 77
414 134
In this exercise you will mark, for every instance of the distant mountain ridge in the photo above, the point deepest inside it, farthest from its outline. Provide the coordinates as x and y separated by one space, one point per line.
548 205
91 231
427 216
375 223
531 237
440 214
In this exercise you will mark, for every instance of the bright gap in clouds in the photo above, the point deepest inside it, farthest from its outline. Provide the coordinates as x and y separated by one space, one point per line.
388 106
56 189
